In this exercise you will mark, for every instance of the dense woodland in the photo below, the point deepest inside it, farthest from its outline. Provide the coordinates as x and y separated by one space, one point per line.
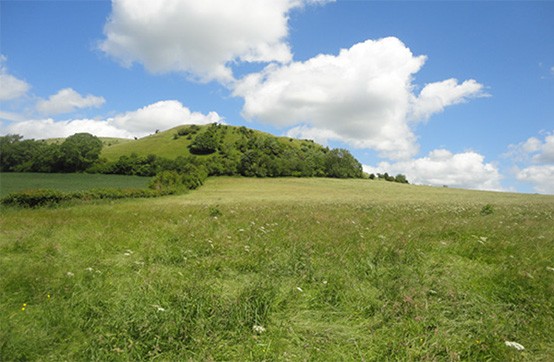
210 153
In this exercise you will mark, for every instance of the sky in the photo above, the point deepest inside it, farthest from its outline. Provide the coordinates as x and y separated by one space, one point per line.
448 93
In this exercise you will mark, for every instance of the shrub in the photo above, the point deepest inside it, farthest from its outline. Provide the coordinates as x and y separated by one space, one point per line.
488 209
34 198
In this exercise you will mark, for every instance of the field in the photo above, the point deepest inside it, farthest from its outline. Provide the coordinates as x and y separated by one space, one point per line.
282 269
14 181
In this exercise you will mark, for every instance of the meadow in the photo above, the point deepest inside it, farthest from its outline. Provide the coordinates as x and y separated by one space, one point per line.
20 181
247 269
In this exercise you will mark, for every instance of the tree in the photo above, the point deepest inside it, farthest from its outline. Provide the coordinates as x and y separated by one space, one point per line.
341 164
80 151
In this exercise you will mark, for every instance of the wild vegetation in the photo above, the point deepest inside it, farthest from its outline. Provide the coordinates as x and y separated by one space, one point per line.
284 269
214 150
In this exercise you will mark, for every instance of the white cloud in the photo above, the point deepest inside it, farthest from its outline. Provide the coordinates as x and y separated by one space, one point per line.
10 86
68 100
161 115
535 159
534 150
442 167
49 128
434 97
363 96
200 38
540 176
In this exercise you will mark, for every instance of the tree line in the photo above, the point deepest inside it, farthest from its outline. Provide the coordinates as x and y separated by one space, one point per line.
252 154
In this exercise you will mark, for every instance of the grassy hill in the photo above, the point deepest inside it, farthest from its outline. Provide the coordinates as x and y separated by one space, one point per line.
284 269
169 144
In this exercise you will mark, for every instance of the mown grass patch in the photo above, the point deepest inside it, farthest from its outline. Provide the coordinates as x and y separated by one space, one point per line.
283 270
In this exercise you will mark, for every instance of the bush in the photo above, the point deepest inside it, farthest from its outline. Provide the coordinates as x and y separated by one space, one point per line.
43 197
34 198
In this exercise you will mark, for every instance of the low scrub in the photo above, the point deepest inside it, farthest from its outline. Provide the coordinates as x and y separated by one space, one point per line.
46 197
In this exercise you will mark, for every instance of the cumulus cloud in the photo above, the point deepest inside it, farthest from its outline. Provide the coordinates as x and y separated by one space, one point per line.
540 176
534 150
68 100
442 167
535 160
49 128
435 97
10 86
200 38
161 115
363 96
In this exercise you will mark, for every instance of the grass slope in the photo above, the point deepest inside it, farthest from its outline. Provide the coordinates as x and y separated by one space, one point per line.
15 181
163 144
282 269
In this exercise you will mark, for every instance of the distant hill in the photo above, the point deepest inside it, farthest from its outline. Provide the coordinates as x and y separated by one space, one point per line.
229 150
210 150
177 141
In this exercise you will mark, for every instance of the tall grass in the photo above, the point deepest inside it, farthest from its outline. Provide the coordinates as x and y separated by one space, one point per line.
291 269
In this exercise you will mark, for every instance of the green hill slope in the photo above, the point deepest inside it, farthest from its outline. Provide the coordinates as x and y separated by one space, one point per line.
169 144
228 150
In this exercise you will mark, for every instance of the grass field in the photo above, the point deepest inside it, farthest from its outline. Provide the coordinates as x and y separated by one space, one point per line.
14 181
282 269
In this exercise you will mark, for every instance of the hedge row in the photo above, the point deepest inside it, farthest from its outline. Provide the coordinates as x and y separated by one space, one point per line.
46 197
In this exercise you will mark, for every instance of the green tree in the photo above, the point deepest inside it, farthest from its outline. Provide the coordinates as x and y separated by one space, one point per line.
80 151
341 164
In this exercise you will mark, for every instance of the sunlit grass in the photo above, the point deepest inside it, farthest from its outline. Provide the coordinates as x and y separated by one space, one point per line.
283 269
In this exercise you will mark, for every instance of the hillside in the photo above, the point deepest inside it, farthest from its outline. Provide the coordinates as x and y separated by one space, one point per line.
289 269
166 144
227 150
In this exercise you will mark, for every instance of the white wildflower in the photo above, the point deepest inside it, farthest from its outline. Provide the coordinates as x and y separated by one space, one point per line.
70 274
299 289
258 329
89 269
515 345
158 308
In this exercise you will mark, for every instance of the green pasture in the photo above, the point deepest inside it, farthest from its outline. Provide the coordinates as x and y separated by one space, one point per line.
281 270
15 181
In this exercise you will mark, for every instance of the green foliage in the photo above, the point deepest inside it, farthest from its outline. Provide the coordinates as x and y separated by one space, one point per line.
340 163
35 198
207 142
48 197
80 151
488 209
174 181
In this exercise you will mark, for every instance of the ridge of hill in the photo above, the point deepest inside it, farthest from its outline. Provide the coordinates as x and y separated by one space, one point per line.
177 141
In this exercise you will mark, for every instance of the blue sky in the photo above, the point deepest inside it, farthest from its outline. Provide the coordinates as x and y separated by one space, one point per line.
457 93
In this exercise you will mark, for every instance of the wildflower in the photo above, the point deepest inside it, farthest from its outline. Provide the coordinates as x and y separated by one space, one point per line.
258 329
158 308
89 269
299 289
70 274
515 345
24 306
